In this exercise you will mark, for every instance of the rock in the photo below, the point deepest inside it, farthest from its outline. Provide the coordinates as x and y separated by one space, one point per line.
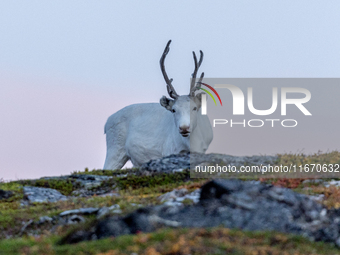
100 192
179 162
332 183
107 210
246 205
90 181
160 222
177 196
26 225
44 219
337 242
194 196
114 207
172 163
86 180
110 194
103 212
139 221
74 219
238 200
42 195
108 227
85 211
173 203
217 188
313 181
172 195
77 236
4 194
137 205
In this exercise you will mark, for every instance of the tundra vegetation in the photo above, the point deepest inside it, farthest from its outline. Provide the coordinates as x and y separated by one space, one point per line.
134 190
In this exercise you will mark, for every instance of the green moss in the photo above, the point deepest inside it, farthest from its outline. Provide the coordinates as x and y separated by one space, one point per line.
176 241
15 188
145 182
154 180
188 201
108 172
316 158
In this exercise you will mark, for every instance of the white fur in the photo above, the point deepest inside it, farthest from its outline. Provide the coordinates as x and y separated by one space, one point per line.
142 132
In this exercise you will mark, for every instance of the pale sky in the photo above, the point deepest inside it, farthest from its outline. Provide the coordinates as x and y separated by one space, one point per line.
66 66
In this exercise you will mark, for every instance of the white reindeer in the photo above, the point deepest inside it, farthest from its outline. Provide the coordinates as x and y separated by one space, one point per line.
142 132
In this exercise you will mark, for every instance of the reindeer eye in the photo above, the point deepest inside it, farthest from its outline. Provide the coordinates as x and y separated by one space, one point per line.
173 110
195 109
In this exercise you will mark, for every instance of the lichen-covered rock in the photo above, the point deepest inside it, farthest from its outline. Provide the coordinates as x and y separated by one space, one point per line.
179 162
85 180
4 194
42 195
44 219
248 205
85 211
173 195
177 196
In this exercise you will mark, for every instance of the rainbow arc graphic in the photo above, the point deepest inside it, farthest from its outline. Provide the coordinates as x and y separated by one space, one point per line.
209 93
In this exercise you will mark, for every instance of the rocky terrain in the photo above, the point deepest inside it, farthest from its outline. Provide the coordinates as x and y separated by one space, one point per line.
160 197
248 205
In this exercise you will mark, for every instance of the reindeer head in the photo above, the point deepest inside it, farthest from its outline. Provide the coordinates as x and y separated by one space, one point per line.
186 107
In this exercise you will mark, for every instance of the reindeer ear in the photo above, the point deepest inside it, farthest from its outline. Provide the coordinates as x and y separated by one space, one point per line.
166 103
198 99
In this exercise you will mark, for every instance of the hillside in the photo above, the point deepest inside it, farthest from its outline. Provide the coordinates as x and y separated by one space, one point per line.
159 209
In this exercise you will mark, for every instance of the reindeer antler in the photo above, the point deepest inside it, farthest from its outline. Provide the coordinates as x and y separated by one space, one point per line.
170 88
194 74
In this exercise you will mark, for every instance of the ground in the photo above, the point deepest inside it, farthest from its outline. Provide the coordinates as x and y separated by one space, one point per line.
133 189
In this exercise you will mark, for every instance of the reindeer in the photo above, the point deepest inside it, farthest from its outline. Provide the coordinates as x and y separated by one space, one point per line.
142 132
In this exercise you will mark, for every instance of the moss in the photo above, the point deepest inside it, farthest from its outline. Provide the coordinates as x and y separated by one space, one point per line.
332 157
142 181
153 180
15 188
108 172
176 241
188 201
